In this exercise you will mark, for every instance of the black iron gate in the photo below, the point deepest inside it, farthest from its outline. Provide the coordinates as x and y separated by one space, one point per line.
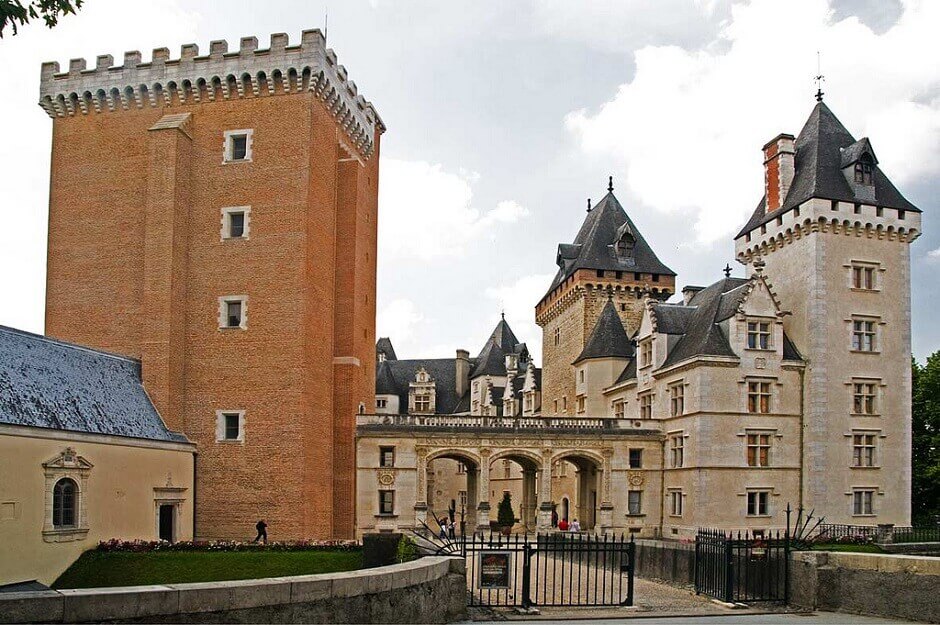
743 567
549 570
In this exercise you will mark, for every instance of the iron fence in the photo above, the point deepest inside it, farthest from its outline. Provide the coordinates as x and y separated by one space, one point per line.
742 567
839 533
555 569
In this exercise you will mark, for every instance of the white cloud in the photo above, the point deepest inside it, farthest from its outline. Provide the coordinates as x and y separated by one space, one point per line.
688 128
426 212
399 320
934 254
518 300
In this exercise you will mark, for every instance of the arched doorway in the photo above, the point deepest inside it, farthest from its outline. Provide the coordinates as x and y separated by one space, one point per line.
517 473
586 486
452 478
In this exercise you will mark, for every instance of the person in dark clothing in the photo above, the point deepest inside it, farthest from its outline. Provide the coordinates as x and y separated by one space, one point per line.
262 536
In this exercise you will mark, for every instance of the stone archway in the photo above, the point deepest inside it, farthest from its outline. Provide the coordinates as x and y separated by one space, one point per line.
530 464
592 491
471 464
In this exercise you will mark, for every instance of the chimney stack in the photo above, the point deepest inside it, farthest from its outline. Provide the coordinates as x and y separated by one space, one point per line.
689 292
778 170
463 372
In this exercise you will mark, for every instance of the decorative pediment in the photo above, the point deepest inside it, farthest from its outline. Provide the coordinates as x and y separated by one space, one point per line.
68 460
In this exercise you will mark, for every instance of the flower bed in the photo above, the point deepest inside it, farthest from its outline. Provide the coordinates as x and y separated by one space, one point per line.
145 546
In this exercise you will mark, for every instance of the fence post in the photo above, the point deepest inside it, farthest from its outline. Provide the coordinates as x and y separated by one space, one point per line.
786 567
698 536
631 558
729 569
526 575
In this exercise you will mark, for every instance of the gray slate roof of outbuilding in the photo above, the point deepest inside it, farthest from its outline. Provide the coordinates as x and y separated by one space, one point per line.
818 170
608 338
51 384
593 247
396 375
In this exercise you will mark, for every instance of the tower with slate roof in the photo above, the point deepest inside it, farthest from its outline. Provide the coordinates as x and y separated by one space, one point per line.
832 234
608 255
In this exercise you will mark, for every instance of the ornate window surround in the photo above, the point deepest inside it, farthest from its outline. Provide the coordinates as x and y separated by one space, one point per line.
67 464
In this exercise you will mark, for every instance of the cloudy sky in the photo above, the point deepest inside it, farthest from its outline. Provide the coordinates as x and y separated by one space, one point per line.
504 117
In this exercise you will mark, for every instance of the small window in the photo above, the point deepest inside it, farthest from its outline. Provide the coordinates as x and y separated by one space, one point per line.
233 428
65 504
862 502
677 450
901 214
879 212
863 336
635 502
863 171
237 146
758 397
555 406
834 205
229 426
758 335
386 456
646 353
618 409
564 403
422 403
557 336
675 498
646 406
381 403
857 209
758 450
386 502
863 398
581 375
637 276
863 277
758 503
580 404
236 225
677 399
636 458
863 450
796 211
233 311
655 277
618 274
600 273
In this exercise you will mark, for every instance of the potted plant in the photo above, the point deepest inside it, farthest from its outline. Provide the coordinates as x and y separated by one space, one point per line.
504 514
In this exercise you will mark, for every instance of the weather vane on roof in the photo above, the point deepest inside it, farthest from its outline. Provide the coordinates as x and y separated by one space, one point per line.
589 205
610 184
819 78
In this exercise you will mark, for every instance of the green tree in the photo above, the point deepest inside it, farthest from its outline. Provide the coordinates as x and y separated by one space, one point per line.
925 443
504 515
16 13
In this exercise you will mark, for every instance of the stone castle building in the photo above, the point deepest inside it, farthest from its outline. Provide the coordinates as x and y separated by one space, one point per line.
788 387
214 216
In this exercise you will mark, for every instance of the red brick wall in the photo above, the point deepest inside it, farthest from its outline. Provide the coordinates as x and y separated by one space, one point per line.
108 171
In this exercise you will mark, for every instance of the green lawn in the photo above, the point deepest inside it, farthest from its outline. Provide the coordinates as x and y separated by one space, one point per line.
846 547
98 569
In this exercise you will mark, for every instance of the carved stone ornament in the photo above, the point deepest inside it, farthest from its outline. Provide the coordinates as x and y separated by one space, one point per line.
636 478
386 478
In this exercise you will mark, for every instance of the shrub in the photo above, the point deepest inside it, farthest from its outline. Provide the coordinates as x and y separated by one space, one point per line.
407 551
504 515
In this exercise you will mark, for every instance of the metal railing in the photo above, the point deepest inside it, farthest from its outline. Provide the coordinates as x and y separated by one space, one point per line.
742 567
840 533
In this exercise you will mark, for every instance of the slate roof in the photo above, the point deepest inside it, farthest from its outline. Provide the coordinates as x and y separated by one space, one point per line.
594 248
628 373
394 376
492 358
52 384
608 338
384 346
820 149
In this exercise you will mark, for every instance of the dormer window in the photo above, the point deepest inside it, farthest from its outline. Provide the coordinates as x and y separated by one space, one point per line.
646 353
863 171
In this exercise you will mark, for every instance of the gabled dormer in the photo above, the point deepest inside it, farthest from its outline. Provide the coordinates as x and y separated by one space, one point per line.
422 393
858 163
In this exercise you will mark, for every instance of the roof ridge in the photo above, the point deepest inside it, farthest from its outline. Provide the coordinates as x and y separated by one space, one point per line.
76 346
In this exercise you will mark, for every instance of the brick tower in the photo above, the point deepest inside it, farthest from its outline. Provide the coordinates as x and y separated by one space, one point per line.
608 254
215 217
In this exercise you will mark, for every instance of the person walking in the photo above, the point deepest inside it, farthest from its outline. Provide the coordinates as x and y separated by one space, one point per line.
563 525
452 529
262 536
442 523
575 526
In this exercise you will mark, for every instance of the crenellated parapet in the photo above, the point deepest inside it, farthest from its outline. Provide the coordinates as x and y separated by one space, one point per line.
221 75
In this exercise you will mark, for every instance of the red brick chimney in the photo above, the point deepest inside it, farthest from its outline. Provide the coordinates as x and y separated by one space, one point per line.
778 169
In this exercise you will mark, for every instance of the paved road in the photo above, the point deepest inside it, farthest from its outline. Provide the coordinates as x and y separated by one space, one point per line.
816 618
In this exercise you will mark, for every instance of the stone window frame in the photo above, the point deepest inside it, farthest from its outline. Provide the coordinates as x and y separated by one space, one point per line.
676 502
646 352
768 494
758 446
876 270
619 408
676 398
876 322
226 223
228 135
630 451
772 393
645 401
581 403
220 426
383 449
874 490
639 502
875 446
67 464
224 300
381 403
758 321
168 495
677 456
381 493
877 383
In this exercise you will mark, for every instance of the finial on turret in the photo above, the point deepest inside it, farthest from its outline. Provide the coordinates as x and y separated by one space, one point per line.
819 79
727 270
610 184
589 205
502 314
610 293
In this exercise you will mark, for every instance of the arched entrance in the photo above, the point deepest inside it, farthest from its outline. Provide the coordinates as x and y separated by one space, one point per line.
451 487
587 487
517 473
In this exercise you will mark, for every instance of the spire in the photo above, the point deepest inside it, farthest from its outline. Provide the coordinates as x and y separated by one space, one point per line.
610 184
